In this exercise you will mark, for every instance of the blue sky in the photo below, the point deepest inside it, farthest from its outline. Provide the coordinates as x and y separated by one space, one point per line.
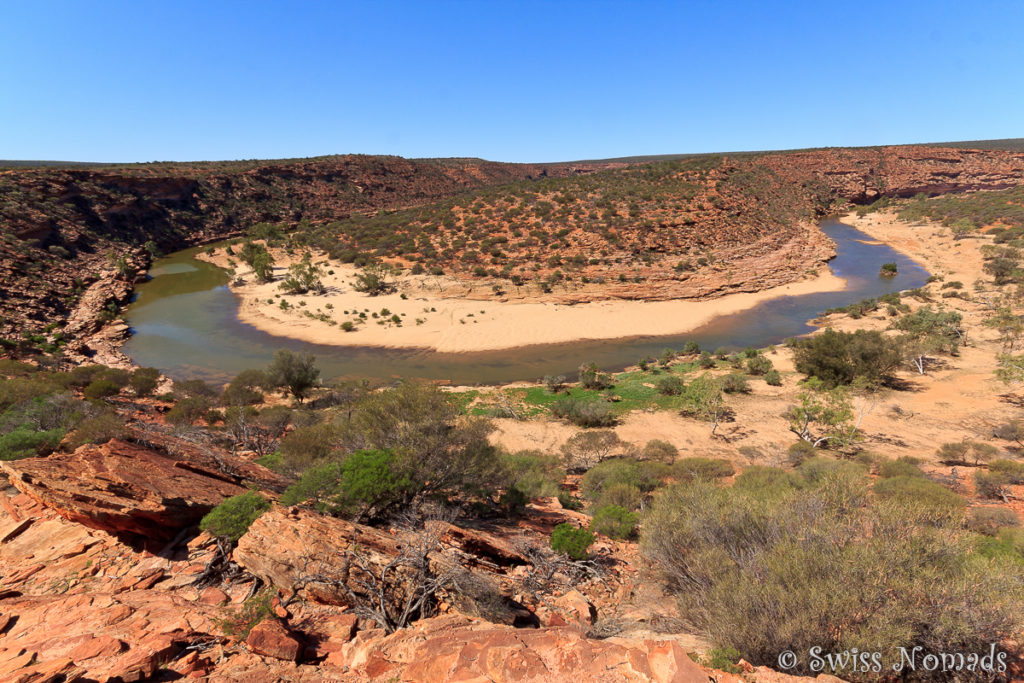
101 80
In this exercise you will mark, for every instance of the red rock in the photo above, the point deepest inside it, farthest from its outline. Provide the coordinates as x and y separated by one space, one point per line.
212 595
121 487
575 608
100 646
271 639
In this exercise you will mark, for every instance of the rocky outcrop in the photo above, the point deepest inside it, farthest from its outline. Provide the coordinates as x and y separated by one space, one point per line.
455 648
288 544
125 488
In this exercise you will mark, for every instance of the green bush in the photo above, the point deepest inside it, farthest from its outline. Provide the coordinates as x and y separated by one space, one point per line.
97 429
994 485
365 484
944 505
659 450
643 476
838 358
671 385
568 540
1011 469
233 517
101 388
773 378
614 521
765 481
585 413
186 411
735 383
899 468
25 442
759 365
799 452
535 474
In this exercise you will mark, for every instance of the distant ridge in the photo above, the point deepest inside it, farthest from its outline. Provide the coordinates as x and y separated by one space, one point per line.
1005 144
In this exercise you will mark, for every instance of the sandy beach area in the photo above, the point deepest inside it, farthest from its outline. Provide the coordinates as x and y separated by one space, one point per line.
442 323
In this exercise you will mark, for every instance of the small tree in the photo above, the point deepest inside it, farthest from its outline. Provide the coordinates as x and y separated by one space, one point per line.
296 372
823 415
703 400
263 266
374 280
585 449
303 277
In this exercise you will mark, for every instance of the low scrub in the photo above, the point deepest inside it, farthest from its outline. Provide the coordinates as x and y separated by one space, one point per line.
821 561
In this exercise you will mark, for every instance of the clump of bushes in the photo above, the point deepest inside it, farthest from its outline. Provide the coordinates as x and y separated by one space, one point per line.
839 358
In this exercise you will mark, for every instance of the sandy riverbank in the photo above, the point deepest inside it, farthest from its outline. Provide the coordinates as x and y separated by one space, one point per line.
928 244
445 324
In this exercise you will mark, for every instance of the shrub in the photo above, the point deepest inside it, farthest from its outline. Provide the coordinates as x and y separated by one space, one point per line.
568 540
734 557
640 475
253 611
706 361
943 505
702 468
535 474
799 452
989 521
672 385
144 380
244 388
591 378
735 383
765 481
25 442
97 429
568 501
186 411
307 445
773 378
691 348
1011 469
838 358
554 383
888 270
659 451
624 495
759 365
365 484
101 388
994 485
585 413
195 388
899 468
966 452
233 517
614 521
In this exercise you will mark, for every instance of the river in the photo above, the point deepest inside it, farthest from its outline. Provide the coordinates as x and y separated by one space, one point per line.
185 322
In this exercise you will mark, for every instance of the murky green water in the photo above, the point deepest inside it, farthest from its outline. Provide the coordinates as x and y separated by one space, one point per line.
185 322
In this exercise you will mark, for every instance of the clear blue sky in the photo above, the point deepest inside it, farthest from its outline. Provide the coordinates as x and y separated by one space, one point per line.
144 80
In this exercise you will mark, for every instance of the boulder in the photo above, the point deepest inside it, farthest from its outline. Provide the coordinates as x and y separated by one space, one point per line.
271 639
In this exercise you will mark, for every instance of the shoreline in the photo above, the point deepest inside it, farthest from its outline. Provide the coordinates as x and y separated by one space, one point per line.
442 324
